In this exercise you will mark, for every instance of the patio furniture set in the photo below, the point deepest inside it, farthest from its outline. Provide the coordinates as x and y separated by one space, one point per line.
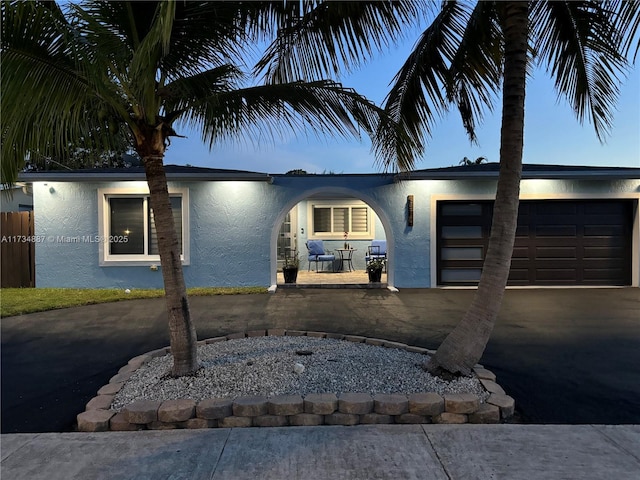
377 251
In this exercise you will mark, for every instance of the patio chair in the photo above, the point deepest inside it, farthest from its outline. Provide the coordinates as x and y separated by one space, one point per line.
317 254
376 251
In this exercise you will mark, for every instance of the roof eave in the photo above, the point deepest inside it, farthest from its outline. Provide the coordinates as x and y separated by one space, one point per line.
542 175
127 177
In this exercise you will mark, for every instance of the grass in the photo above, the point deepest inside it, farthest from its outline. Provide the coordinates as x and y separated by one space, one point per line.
18 301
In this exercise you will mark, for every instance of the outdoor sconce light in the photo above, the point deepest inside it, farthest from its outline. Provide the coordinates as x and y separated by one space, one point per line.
410 210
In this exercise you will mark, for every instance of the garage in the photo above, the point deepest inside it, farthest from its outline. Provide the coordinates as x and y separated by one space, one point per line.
558 242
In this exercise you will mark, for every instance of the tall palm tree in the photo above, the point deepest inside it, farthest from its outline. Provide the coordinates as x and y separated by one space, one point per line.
100 71
469 54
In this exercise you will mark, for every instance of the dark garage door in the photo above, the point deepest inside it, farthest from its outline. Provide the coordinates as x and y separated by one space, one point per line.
557 242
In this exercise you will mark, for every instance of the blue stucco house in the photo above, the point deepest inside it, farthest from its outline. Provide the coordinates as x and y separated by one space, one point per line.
577 225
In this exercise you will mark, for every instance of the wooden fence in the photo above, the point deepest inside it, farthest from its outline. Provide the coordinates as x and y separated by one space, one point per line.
18 266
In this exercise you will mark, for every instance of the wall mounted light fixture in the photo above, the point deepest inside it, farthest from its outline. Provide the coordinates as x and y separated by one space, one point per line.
410 210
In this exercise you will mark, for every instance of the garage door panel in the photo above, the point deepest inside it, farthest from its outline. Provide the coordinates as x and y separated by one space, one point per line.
555 230
557 219
521 242
606 242
556 252
581 242
520 264
609 253
605 208
609 219
603 230
603 263
556 274
520 252
559 263
553 208
596 274
519 276
552 242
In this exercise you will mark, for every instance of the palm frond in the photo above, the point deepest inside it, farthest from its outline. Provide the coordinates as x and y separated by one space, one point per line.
179 95
327 38
578 43
203 33
476 67
627 23
208 34
268 111
418 94
47 105
145 62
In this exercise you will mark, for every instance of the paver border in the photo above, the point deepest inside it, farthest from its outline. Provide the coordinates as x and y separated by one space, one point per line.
348 408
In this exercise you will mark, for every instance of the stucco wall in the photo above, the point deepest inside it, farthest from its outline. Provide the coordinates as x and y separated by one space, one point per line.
234 226
229 237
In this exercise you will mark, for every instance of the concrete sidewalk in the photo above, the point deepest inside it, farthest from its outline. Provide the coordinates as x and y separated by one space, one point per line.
362 452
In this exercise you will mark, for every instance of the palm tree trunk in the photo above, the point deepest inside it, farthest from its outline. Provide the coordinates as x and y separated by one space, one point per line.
464 346
182 333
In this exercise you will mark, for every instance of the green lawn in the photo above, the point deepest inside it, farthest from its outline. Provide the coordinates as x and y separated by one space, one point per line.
17 301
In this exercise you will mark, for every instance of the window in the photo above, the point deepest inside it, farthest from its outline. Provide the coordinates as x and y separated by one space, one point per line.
128 229
331 218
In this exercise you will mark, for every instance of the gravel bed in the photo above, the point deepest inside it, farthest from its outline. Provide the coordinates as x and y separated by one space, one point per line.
265 366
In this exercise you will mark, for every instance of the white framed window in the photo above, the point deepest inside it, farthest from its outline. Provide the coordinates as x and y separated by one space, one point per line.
127 230
332 218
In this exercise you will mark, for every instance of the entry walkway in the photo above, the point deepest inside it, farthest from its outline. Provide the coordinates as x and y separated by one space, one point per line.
343 279
440 452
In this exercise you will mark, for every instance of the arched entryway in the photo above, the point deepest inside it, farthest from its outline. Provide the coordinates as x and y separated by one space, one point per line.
305 212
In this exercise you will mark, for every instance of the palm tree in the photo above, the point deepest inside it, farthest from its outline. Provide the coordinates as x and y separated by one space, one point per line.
469 53
100 71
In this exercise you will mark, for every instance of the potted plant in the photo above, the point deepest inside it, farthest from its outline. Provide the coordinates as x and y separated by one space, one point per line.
374 269
290 268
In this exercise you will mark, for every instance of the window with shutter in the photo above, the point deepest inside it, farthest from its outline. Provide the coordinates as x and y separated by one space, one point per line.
332 218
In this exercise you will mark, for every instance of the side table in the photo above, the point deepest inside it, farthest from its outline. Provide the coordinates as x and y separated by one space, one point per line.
346 256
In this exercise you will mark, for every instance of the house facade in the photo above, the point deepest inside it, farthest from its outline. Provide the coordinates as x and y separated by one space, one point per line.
577 225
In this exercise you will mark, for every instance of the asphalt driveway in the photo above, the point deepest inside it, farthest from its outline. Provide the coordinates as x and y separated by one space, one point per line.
566 355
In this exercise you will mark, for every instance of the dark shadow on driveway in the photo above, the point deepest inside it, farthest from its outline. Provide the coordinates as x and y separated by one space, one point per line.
565 355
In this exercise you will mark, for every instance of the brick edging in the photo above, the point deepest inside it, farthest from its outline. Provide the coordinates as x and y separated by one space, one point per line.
348 408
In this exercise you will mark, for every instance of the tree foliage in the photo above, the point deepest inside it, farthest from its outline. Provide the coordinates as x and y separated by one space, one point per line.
103 73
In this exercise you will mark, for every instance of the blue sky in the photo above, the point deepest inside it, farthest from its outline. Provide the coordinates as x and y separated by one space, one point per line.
552 134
